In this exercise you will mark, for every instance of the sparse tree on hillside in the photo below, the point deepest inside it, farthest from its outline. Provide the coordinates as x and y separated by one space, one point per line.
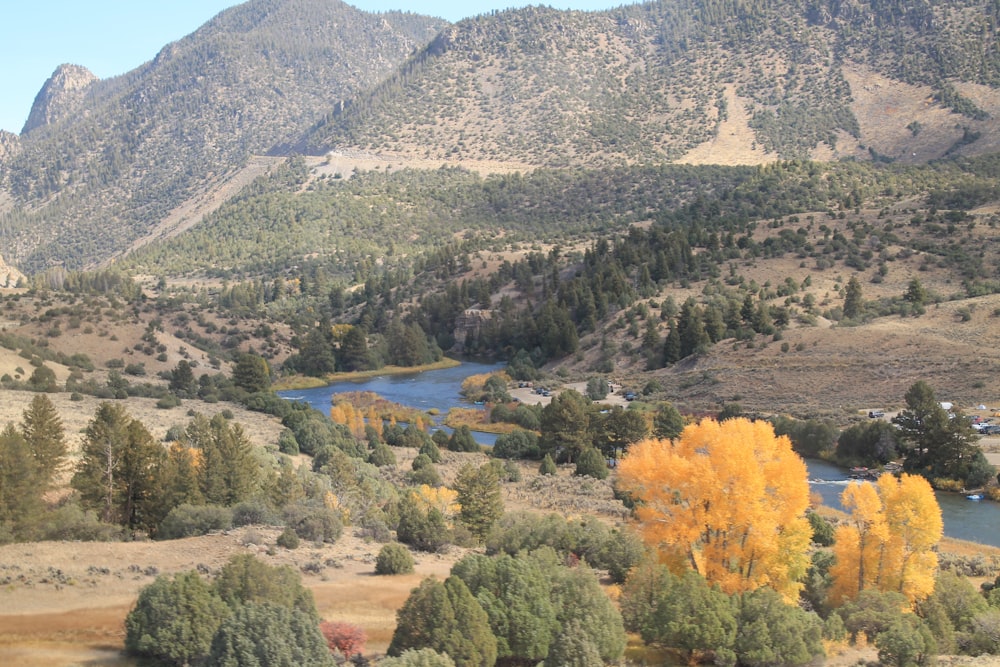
853 300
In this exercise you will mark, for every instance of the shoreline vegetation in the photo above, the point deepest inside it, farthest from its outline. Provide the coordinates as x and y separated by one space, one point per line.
294 382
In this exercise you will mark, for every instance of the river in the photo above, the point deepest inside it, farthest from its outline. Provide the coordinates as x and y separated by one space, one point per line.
963 519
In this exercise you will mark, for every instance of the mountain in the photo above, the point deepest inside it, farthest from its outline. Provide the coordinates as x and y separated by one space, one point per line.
128 150
107 166
60 97
755 80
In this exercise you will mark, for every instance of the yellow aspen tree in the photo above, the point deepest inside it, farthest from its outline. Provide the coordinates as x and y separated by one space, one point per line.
727 500
374 420
338 414
888 542
858 543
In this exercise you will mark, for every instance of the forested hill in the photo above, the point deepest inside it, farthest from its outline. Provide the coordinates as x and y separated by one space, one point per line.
763 79
127 150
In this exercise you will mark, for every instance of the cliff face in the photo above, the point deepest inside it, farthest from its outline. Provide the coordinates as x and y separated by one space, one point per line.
9 145
61 96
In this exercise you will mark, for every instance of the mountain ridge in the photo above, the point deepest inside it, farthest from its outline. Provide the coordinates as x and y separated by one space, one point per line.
688 81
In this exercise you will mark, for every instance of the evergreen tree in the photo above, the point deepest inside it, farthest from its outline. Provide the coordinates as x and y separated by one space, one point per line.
672 346
174 620
691 330
480 497
182 382
461 440
445 617
667 422
245 579
565 425
853 300
43 431
229 470
118 472
591 463
260 634
354 355
548 466
20 488
515 592
252 373
937 445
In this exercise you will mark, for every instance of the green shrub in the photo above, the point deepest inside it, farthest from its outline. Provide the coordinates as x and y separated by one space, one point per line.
253 513
548 466
314 523
167 402
394 559
381 455
592 464
189 520
287 444
288 539
174 620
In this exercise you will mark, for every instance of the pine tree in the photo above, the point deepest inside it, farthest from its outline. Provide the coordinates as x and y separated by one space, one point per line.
20 490
119 468
43 431
853 300
480 497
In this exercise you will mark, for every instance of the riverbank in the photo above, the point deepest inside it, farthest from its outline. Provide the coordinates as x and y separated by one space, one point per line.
296 382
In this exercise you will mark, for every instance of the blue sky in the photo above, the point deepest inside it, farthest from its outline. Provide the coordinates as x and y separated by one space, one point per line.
111 37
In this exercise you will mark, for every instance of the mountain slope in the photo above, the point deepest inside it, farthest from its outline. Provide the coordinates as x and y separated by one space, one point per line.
652 82
132 148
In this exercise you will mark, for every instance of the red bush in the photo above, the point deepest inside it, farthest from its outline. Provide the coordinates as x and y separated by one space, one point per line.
347 638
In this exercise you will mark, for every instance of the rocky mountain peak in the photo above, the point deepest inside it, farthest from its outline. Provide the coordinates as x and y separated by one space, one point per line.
9 144
60 96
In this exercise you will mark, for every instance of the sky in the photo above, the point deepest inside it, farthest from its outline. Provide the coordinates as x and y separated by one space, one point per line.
111 37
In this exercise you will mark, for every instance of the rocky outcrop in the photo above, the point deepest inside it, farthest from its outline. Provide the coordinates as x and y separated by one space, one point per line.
61 96
469 324
9 276
9 144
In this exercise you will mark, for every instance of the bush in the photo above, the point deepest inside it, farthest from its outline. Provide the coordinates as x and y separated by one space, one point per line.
287 444
592 464
189 520
267 634
167 402
156 629
516 445
316 524
381 455
288 539
425 657
548 466
253 513
394 559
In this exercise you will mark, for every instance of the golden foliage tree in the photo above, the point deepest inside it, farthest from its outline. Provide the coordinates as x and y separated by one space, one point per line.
888 542
727 500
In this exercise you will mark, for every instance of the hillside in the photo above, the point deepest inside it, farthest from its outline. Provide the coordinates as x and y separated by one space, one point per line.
699 82
695 82
130 149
